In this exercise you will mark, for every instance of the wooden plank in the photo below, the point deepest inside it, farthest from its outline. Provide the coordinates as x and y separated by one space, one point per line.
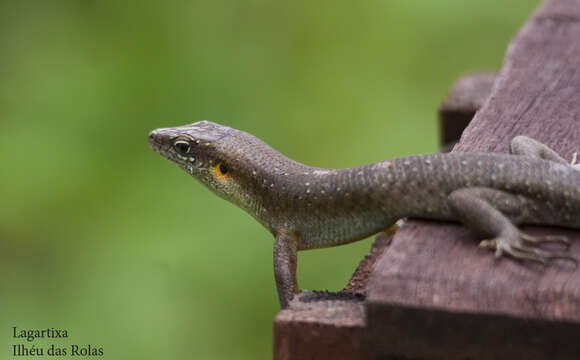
319 328
323 325
434 294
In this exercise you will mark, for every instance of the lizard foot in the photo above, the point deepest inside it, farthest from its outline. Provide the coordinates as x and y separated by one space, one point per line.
525 247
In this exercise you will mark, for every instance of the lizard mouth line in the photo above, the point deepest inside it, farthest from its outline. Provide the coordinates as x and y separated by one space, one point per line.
188 163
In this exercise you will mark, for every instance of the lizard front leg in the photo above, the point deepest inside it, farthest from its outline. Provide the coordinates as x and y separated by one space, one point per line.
488 211
285 261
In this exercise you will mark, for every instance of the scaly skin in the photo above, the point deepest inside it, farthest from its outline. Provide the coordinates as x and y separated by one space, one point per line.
306 207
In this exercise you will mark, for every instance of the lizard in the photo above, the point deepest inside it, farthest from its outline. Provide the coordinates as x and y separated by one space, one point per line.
307 207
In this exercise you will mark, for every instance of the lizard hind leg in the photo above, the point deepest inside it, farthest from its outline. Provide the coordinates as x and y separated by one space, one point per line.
525 146
493 213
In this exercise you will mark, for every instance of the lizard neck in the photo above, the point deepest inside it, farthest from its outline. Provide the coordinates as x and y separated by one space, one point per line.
284 194
268 183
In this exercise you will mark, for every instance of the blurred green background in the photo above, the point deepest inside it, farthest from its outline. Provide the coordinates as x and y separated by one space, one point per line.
101 236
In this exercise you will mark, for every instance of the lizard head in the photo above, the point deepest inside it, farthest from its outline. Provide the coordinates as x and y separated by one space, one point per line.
198 149
232 163
225 160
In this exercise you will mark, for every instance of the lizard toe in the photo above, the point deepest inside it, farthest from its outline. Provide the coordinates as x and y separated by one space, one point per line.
531 252
489 244
524 247
538 240
574 161
496 245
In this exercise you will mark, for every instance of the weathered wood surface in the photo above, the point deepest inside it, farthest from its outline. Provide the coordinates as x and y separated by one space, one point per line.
434 294
321 325
321 329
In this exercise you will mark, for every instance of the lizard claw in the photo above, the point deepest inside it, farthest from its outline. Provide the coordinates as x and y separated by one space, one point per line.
525 247
574 159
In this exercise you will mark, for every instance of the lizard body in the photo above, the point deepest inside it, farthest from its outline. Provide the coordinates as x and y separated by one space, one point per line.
306 207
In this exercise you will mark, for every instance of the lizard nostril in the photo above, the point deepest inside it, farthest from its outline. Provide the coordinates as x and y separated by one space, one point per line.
157 139
151 138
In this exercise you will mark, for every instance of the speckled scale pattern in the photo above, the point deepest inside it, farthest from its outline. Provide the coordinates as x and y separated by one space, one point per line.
306 207
327 207
345 205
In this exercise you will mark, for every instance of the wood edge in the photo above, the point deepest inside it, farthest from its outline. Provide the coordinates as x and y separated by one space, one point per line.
322 324
467 95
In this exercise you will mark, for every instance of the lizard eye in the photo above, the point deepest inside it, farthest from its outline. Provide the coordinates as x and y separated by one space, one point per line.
182 146
220 171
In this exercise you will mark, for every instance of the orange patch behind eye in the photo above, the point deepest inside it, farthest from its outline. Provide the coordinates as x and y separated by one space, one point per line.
219 171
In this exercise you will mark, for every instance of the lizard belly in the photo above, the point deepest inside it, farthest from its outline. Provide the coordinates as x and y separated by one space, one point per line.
327 232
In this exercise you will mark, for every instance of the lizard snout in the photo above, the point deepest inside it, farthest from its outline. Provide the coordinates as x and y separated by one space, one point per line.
158 139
